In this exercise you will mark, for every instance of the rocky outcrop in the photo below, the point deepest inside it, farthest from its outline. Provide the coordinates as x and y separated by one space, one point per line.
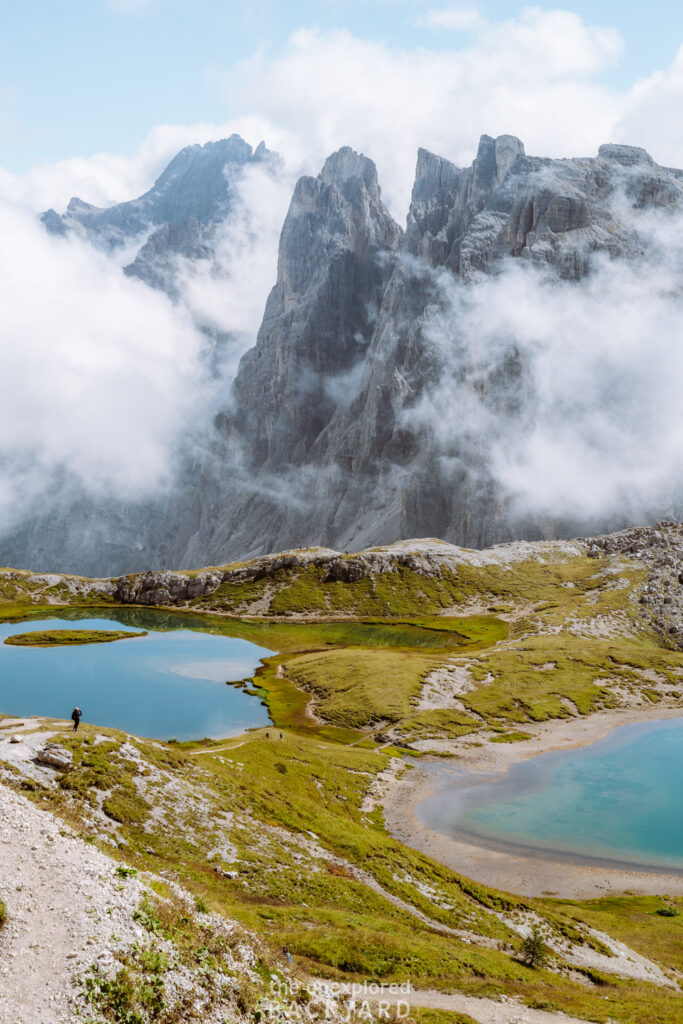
157 260
175 588
660 550
176 219
57 756
165 588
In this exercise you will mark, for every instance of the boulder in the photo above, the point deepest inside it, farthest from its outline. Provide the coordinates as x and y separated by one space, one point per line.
56 756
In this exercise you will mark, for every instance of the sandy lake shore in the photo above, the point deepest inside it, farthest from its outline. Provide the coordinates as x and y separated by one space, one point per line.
512 871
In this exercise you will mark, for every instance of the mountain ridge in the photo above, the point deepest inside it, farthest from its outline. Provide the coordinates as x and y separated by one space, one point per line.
363 413
317 583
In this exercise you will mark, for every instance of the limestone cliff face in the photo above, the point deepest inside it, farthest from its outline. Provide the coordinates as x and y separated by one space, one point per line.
379 475
177 217
197 184
320 441
337 252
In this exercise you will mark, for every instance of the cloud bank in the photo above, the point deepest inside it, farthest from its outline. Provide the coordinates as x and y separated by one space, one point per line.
569 391
100 375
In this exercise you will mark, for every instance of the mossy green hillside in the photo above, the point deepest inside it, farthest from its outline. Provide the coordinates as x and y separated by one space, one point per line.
552 585
361 688
550 675
279 835
284 834
308 591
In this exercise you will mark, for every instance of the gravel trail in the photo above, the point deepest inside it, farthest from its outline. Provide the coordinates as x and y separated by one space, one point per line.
66 909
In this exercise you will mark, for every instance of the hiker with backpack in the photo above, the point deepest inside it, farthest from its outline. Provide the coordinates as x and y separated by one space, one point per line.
76 716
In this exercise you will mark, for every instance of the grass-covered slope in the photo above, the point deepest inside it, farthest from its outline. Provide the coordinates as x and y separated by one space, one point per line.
387 637
395 646
285 836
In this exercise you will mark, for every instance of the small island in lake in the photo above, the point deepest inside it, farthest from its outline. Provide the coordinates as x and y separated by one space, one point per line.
69 637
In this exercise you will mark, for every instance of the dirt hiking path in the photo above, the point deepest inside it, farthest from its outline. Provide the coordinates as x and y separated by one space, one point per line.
66 909
484 1011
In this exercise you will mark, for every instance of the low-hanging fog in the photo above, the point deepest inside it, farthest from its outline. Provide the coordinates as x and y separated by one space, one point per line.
585 420
106 382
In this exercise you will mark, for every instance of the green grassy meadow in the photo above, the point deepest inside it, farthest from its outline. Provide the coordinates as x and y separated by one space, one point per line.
287 836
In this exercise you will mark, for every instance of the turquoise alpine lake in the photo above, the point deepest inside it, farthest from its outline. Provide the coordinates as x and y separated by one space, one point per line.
618 801
169 684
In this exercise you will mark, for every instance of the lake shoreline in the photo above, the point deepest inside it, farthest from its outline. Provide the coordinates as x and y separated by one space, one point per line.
170 684
523 871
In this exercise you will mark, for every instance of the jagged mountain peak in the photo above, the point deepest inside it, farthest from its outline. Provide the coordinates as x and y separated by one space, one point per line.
335 254
331 413
233 148
218 157
494 159
198 183
345 164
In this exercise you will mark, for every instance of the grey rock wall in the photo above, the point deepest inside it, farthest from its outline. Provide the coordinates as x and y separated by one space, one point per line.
317 443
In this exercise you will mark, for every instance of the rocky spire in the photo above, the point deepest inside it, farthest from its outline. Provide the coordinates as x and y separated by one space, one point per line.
494 159
335 257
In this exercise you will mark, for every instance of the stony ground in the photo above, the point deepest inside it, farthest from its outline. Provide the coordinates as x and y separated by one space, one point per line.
660 549
69 909
66 909
73 913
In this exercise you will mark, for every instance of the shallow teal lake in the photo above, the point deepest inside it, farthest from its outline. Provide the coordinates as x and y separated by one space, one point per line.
619 800
169 684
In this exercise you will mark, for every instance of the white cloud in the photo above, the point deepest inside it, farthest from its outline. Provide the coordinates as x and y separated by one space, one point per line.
107 178
652 114
228 292
459 19
600 429
100 375
535 76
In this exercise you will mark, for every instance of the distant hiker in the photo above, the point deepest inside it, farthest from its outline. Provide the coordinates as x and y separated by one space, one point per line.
280 735
267 735
76 716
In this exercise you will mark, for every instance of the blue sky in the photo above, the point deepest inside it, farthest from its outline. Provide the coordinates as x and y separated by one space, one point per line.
83 76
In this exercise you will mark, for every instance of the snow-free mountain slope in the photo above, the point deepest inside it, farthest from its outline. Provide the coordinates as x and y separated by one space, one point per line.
394 388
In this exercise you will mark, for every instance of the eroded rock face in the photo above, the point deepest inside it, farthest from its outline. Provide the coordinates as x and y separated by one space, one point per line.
337 251
165 588
174 220
198 184
361 471
156 261
320 442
